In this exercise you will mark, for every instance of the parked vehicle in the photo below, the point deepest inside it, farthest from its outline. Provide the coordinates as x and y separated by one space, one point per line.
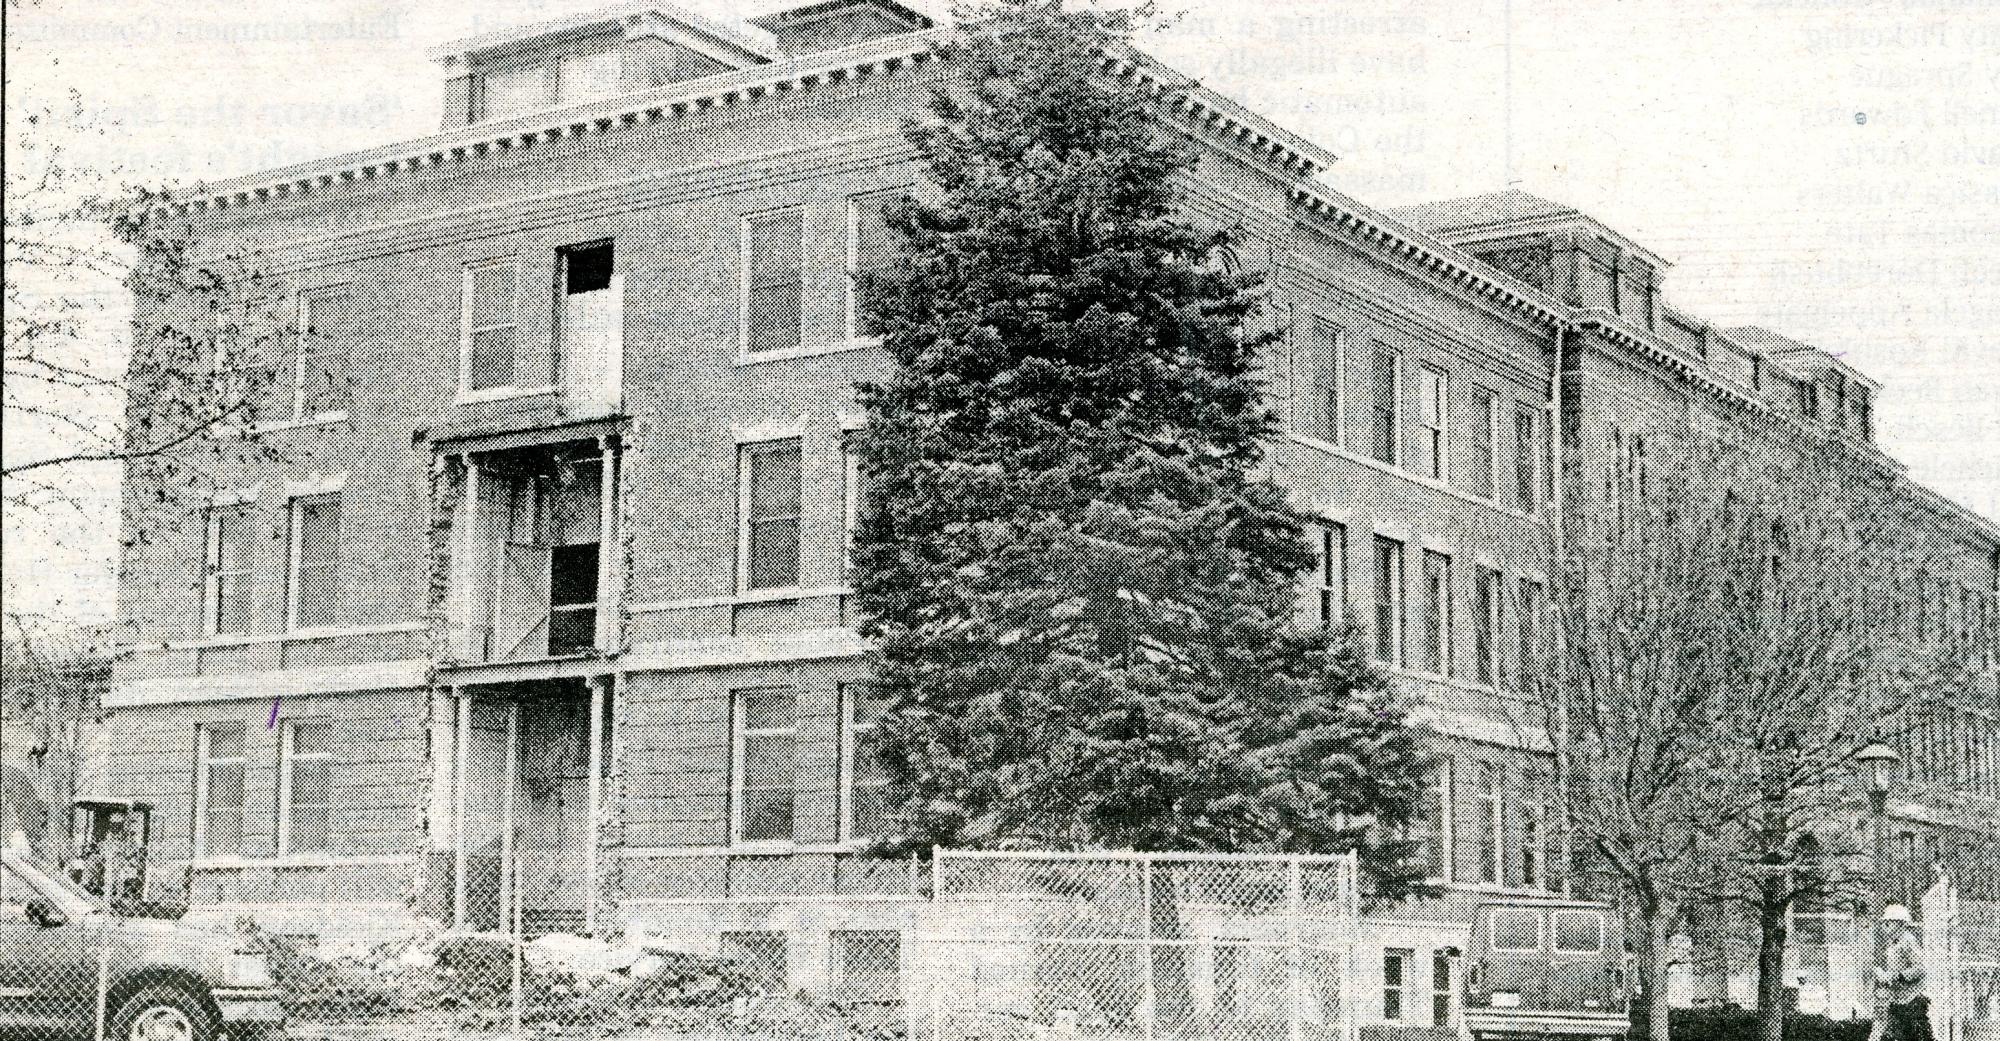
162 981
1545 969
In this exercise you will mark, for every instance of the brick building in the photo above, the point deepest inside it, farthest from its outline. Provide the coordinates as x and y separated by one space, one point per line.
556 577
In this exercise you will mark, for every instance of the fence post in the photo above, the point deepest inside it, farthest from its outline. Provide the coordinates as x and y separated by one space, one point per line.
103 981
515 969
1350 909
1152 996
1295 1000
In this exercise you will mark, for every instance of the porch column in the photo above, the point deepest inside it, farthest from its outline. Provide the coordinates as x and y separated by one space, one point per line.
598 689
464 742
609 595
462 596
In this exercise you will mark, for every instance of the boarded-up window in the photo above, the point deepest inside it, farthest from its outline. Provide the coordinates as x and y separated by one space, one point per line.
774 281
770 525
231 555
218 789
491 325
315 570
307 781
873 250
766 767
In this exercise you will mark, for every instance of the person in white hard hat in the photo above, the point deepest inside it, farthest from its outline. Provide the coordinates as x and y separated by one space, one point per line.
1899 979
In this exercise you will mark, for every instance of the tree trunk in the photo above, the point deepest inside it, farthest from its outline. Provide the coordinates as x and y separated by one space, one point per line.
1653 969
1772 936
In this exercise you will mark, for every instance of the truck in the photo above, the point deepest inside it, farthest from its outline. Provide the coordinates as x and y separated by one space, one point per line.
1545 969
69 960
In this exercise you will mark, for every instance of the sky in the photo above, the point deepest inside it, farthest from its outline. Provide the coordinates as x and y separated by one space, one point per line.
1827 168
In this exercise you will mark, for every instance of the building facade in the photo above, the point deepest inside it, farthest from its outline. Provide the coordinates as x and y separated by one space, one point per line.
553 574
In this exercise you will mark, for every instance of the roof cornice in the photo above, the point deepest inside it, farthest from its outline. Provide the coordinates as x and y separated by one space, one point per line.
1655 349
1439 258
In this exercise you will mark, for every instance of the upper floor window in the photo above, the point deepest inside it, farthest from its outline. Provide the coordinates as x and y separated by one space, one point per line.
1385 386
1388 600
1433 402
230 557
510 92
1437 613
773 281
769 531
1316 367
853 496
218 789
1527 451
1483 416
871 248
492 327
317 375
1486 625
313 579
1529 628
1492 825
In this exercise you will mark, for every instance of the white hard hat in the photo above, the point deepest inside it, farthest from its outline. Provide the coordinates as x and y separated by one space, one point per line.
1897 913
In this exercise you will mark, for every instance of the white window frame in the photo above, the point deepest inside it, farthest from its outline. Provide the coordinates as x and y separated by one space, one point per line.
1395 404
852 325
1434 416
212 570
851 733
298 374
513 387
288 760
1442 988
1528 450
1398 597
1404 959
1493 930
850 507
1438 607
743 273
1443 789
205 761
746 453
1488 443
1330 587
739 740
295 541
1492 797
1310 398
1489 587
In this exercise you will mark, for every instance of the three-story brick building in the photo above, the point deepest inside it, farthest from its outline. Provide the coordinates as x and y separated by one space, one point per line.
556 574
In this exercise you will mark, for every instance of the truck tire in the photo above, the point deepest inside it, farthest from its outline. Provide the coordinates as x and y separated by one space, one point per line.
163 1012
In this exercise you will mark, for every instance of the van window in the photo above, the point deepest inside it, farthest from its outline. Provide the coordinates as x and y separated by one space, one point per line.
1517 929
1580 932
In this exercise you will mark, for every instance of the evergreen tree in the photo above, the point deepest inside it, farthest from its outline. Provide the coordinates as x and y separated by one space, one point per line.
1081 600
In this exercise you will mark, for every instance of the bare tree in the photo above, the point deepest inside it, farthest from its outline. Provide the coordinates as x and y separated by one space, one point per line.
52 682
1725 642
126 343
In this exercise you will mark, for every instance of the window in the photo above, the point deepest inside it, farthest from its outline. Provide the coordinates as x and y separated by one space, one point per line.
853 496
765 768
1437 612
773 281
318 376
1528 628
1395 980
1529 811
1578 932
1441 988
1486 625
1385 386
862 770
306 783
1492 825
1388 600
871 248
581 77
218 789
492 320
1440 797
1316 370
1434 405
1526 440
1516 929
867 965
313 580
1484 417
770 526
1330 574
759 957
510 92
231 554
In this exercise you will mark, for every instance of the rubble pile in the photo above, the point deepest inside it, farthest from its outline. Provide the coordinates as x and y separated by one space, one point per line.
571 986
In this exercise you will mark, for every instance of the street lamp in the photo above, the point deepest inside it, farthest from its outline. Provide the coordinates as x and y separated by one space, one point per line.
1880 761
